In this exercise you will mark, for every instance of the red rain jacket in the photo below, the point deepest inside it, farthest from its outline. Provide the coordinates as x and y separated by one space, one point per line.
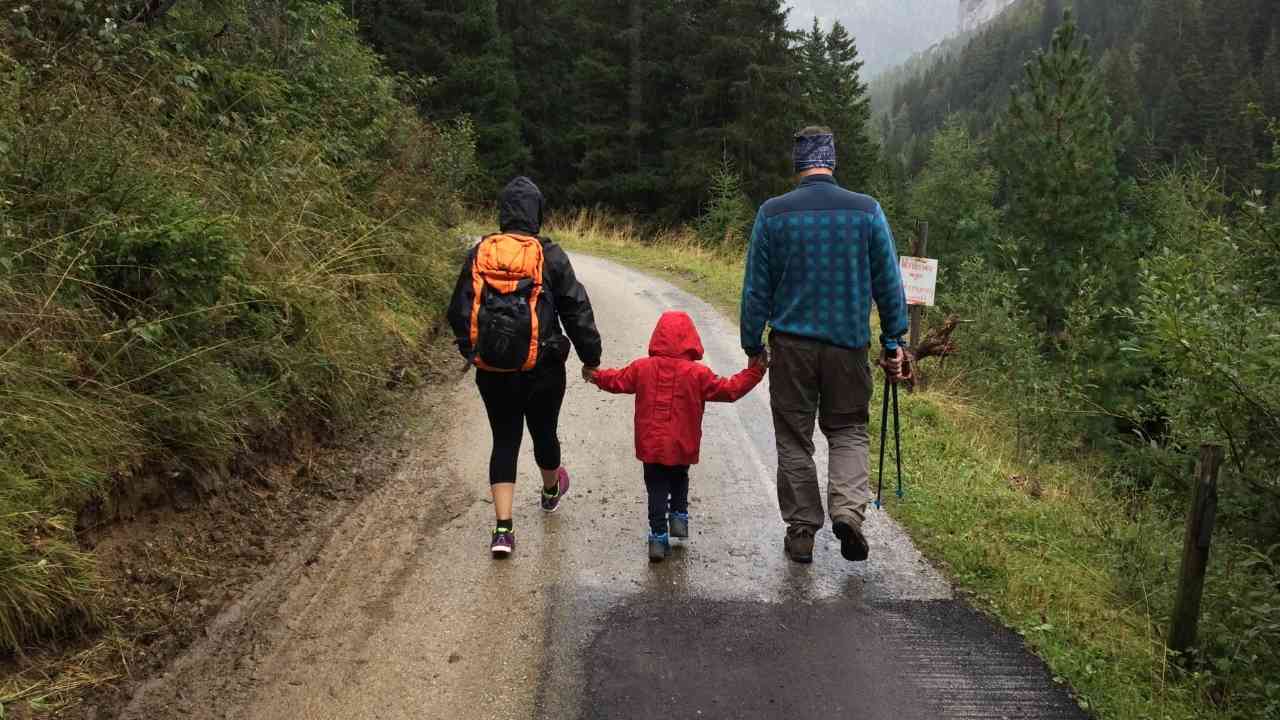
671 389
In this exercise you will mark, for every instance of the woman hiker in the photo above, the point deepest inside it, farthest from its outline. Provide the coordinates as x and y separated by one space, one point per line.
515 292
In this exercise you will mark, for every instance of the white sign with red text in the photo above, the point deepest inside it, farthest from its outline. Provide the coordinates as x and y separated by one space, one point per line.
919 279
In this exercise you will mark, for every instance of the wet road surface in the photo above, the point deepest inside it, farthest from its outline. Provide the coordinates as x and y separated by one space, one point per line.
396 611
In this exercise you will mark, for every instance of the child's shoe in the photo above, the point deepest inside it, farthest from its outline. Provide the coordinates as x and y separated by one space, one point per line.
679 522
659 546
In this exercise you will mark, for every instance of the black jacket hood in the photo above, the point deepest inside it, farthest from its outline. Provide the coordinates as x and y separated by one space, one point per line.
520 207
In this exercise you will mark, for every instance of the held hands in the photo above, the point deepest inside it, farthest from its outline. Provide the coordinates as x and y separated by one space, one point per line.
896 365
589 373
760 361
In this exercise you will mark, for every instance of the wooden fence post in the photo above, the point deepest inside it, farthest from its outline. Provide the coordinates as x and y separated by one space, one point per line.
1195 551
919 246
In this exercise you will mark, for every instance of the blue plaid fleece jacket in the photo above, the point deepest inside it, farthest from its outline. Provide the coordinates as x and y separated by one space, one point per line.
819 255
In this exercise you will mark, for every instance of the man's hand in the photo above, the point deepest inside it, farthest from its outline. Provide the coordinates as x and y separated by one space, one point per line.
759 360
896 365
466 366
589 373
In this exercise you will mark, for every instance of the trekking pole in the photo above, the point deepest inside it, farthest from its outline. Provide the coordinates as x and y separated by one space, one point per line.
884 423
897 439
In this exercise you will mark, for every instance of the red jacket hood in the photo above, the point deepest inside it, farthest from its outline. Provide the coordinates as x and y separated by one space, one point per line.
675 337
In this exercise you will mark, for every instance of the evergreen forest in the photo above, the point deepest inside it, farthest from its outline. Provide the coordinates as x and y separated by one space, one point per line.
631 106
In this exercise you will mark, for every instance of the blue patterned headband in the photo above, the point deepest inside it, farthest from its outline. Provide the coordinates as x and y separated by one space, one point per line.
815 151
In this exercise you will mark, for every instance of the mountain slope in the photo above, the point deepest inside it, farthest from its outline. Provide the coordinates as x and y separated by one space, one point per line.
976 13
1183 74
888 31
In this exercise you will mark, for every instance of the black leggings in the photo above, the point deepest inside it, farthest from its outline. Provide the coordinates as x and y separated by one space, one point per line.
668 488
514 399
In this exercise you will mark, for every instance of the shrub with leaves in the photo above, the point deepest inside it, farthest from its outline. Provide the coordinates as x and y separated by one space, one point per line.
1000 355
1208 318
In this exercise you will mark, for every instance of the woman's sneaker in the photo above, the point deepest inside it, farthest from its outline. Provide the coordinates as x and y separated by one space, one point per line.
504 543
551 501
679 522
659 546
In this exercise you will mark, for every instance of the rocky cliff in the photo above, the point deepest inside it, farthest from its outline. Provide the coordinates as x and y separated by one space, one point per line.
976 13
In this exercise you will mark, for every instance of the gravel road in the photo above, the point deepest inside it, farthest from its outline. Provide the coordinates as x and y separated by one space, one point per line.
397 611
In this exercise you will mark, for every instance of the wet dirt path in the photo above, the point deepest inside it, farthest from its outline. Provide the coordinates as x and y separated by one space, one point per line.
398 612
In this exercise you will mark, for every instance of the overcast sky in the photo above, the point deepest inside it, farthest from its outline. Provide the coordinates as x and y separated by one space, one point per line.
887 31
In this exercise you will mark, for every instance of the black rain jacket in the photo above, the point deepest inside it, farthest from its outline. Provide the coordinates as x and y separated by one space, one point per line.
565 301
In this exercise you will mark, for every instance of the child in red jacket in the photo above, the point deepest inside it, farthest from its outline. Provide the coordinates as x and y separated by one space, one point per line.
671 389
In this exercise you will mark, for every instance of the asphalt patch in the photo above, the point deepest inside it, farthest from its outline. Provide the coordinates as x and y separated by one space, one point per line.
692 658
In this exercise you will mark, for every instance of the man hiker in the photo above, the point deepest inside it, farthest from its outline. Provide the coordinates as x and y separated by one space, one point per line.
818 257
514 293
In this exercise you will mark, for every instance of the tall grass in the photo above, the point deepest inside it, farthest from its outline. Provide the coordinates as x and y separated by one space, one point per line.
213 232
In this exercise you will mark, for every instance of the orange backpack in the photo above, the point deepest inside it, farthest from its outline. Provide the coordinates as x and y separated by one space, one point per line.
507 281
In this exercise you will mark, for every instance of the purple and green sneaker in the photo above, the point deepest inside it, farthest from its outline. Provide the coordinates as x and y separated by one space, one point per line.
551 500
504 543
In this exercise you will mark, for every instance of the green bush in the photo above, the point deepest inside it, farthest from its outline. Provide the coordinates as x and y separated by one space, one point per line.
955 194
1207 318
1001 359
218 228
1241 627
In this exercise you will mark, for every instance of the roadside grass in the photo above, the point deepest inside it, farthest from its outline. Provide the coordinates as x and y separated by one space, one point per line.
1046 547
678 255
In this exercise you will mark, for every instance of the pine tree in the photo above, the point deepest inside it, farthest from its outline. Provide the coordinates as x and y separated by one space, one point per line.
738 86
835 96
460 49
604 165
1057 150
1050 16
727 218
1224 70
546 43
1237 140
1121 82
1269 75
1190 122
1166 39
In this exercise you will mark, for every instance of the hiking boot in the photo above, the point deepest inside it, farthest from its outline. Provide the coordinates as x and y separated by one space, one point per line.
679 523
853 544
504 543
799 545
551 500
659 546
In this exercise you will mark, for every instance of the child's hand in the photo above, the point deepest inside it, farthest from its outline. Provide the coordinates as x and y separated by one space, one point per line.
589 374
760 361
